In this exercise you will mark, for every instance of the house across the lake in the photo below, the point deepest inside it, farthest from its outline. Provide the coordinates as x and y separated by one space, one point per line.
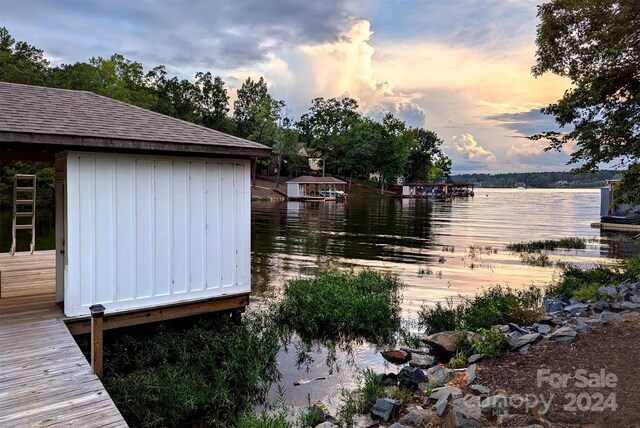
312 188
152 213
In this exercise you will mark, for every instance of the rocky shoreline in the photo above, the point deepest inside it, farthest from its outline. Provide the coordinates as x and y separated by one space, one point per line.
442 396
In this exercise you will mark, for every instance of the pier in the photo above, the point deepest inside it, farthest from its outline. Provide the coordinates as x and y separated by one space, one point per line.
45 380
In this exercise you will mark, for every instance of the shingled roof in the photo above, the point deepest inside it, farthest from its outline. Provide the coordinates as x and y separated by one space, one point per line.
309 179
39 115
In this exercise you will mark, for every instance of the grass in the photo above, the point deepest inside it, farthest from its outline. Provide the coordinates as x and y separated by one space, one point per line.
202 372
549 245
495 305
583 284
342 306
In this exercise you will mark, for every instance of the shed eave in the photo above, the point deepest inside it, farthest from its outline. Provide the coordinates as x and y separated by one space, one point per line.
115 144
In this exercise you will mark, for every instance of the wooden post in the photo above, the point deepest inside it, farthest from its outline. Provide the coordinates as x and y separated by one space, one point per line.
97 315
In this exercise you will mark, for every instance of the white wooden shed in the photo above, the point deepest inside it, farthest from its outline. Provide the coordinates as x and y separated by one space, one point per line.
151 211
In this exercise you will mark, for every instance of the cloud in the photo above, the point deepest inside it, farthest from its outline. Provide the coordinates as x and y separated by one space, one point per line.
526 123
468 149
411 113
186 34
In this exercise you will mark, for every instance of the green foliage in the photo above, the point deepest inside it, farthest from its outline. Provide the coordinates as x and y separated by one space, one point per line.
496 305
193 373
582 284
492 343
458 361
264 420
441 317
551 245
594 44
372 390
540 179
340 305
628 190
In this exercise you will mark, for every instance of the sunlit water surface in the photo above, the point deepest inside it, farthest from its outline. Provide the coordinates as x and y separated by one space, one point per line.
438 249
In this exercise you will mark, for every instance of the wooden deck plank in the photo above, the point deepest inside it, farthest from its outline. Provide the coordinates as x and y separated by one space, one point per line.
25 274
45 380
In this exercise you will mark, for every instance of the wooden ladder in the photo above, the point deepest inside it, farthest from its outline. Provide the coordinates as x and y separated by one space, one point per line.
24 207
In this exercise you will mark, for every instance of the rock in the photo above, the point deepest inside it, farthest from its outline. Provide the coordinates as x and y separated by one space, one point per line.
444 344
445 392
415 350
526 339
525 349
608 316
576 309
396 356
365 421
553 304
417 417
397 425
494 404
457 419
386 408
475 358
412 376
472 370
513 335
326 425
477 389
599 306
614 291
579 324
469 406
422 361
516 327
562 334
503 328
558 320
630 306
439 375
631 315
441 406
542 328
321 414
594 322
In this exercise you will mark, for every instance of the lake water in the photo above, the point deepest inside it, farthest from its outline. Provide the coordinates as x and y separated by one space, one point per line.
438 249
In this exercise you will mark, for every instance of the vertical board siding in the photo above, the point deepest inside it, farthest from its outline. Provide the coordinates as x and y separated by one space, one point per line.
145 232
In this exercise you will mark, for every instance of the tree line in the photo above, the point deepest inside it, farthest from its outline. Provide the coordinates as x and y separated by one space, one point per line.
333 131
541 179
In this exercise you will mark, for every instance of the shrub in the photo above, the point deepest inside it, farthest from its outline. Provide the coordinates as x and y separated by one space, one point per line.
458 361
441 317
502 305
574 279
200 372
264 420
492 343
345 306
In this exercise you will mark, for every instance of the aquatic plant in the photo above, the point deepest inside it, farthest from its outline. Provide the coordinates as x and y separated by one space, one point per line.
342 306
537 258
549 245
199 372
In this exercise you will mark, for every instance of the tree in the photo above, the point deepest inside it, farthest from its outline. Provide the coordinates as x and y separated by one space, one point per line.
325 127
21 62
213 101
595 43
426 161
392 152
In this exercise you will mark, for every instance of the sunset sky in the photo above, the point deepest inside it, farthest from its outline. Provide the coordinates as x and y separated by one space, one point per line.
460 68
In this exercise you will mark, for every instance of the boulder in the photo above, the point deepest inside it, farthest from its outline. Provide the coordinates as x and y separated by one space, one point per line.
542 328
562 334
503 328
553 304
523 340
576 309
412 376
422 361
439 375
477 389
398 425
516 327
442 406
444 344
326 425
630 306
475 358
457 419
525 349
468 406
365 421
396 356
599 306
445 392
415 350
608 316
417 417
386 408
614 291
472 370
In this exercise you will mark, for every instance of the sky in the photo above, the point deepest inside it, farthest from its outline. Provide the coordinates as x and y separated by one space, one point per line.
461 68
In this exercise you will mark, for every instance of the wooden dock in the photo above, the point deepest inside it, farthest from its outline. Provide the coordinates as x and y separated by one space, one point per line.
45 380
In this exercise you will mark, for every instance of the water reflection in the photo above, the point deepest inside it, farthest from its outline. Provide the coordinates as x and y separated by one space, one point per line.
438 248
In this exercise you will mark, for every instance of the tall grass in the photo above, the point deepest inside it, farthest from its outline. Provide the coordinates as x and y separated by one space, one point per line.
214 371
550 245
342 306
